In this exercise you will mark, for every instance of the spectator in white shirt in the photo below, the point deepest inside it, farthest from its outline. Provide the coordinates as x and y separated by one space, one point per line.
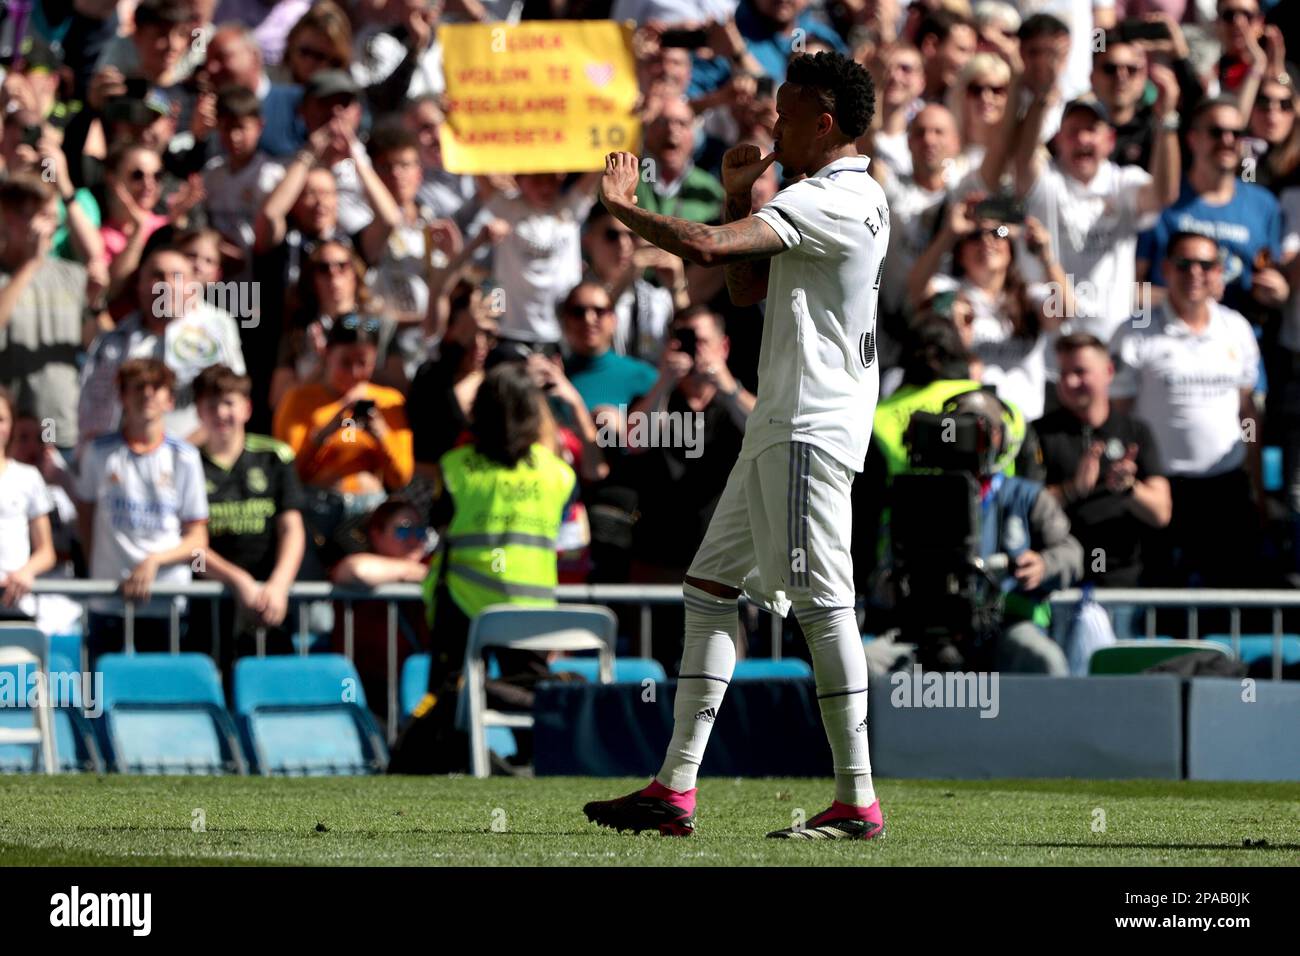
143 511
541 259
1012 319
642 310
238 181
26 545
171 323
1094 209
1190 372
900 77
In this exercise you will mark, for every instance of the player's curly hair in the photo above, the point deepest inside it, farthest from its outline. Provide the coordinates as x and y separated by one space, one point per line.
843 86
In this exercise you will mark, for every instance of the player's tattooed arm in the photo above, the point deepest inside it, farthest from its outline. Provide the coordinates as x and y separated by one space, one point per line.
746 281
748 238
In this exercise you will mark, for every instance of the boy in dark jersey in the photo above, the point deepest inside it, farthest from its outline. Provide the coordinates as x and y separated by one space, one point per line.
256 537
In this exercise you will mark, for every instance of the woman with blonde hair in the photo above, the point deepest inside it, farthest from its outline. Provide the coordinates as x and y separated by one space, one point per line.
979 101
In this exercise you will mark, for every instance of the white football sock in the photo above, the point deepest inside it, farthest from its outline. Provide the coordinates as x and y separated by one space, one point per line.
840 668
708 660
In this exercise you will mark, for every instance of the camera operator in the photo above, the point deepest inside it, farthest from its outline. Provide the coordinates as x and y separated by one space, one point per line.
1019 528
936 367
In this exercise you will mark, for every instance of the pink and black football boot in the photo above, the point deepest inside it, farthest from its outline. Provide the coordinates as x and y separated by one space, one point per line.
840 822
652 808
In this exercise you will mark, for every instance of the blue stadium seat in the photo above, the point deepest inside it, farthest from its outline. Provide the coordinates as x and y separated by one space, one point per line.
75 737
1259 647
414 682
306 716
165 714
627 670
762 668
67 646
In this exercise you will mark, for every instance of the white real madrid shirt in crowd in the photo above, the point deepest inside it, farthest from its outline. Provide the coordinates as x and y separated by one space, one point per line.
1094 228
817 364
142 501
914 214
642 314
892 151
234 197
23 497
539 262
672 11
205 336
1289 334
378 53
354 212
1015 365
1188 386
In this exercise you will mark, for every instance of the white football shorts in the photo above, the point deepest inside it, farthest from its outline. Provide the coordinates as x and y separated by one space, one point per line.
782 530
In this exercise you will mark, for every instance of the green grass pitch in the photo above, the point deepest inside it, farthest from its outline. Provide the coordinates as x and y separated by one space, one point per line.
117 820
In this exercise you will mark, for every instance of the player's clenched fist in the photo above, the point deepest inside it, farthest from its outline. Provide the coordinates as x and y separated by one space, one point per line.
741 167
618 185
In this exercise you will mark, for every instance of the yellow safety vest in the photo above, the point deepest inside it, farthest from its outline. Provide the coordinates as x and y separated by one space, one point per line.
500 547
895 413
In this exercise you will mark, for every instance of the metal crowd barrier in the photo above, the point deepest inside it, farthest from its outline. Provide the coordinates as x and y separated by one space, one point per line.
644 596
1192 600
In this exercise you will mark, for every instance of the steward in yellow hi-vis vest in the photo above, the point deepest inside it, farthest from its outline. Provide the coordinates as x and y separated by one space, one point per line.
501 543
506 494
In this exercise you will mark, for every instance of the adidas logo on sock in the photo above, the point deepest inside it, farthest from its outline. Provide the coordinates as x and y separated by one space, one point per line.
708 713
862 727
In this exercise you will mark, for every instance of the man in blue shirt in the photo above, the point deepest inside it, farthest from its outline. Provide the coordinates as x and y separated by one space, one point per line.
1219 201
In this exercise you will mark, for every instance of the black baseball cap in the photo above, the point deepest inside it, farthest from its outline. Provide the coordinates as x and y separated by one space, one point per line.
1092 105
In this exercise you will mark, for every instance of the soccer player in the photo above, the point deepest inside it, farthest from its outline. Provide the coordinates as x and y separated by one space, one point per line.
782 527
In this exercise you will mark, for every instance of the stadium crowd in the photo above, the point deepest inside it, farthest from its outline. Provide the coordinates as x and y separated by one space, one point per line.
234 266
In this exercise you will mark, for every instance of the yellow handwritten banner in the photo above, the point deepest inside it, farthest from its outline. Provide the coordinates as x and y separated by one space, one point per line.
545 96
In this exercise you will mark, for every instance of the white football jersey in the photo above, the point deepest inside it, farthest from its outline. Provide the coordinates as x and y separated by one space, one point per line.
818 378
142 502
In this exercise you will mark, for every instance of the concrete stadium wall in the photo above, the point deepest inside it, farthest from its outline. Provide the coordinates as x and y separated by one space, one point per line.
1240 731
1101 727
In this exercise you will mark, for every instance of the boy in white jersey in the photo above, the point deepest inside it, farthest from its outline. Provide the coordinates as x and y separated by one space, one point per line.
143 510
781 529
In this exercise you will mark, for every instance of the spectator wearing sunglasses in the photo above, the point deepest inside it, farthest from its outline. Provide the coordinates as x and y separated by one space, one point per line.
1240 26
1275 135
1190 372
351 437
332 287
1013 318
643 310
1119 80
1244 217
396 551
979 102
601 376
133 190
